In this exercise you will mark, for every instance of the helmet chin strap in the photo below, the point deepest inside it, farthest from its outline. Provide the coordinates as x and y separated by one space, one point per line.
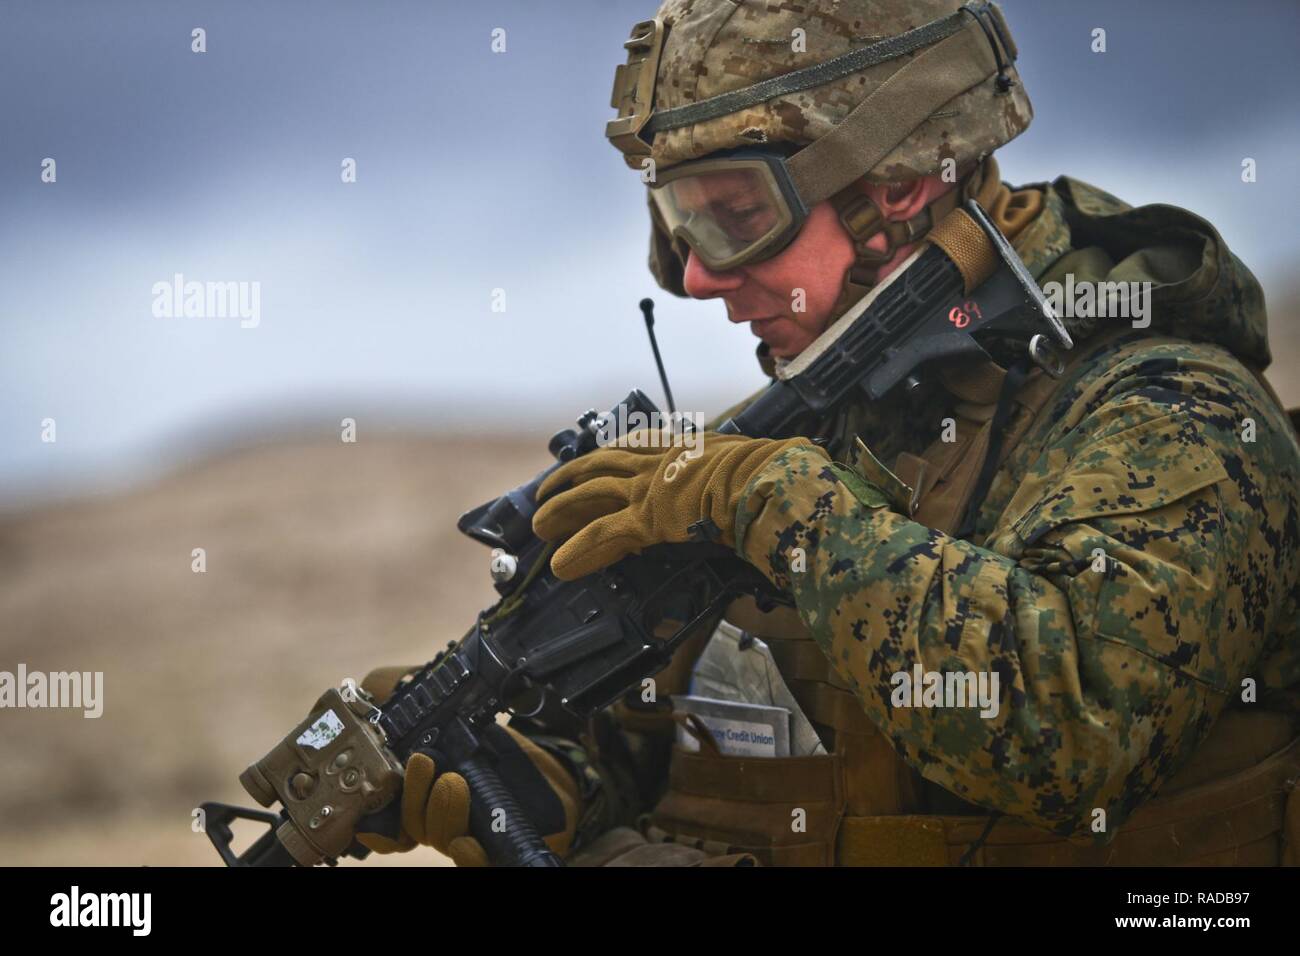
863 220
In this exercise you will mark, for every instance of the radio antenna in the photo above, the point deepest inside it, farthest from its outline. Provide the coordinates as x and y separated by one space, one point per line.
648 310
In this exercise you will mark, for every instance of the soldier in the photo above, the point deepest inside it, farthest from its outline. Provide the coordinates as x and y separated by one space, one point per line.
1113 553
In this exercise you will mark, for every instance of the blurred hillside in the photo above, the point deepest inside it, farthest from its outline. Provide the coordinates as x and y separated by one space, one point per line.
323 560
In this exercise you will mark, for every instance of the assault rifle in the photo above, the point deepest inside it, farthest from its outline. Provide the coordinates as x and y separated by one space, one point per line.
583 644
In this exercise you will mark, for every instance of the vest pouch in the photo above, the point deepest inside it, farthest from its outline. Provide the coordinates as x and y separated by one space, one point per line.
785 811
1246 819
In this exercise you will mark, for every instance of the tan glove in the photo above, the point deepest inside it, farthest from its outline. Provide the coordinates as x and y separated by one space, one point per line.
435 807
626 498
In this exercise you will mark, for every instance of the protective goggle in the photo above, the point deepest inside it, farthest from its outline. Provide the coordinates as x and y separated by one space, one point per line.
731 209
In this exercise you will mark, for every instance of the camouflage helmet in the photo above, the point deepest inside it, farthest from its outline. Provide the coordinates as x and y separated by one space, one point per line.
881 90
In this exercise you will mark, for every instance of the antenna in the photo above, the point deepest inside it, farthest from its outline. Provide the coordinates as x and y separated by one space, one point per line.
648 310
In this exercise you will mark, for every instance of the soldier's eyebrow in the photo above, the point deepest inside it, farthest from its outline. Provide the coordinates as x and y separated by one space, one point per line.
703 195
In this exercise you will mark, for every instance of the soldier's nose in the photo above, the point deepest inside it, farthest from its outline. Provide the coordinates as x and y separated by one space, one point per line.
701 282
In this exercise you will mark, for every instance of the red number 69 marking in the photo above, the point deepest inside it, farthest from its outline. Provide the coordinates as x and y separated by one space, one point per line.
959 314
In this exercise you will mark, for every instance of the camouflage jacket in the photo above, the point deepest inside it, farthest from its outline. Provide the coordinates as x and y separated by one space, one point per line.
1173 460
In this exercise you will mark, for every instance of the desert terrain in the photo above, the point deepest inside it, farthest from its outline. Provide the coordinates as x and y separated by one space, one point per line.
324 559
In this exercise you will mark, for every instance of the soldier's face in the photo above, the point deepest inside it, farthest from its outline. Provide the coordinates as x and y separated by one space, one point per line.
785 300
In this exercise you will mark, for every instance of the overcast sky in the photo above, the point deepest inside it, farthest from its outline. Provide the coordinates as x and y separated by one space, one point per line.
476 171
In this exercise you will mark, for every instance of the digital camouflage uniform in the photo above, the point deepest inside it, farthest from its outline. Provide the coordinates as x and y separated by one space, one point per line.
1115 676
1111 678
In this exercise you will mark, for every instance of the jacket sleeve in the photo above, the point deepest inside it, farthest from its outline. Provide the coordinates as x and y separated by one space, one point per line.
1125 590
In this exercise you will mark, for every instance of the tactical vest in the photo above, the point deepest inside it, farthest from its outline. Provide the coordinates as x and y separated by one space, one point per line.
1235 803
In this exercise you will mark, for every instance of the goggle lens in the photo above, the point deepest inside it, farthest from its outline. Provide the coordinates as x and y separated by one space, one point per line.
730 212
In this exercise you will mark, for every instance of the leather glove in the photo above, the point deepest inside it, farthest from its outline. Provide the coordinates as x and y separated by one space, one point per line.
435 807
625 498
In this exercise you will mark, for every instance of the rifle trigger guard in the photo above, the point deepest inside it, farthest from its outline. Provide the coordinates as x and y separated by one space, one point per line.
541 703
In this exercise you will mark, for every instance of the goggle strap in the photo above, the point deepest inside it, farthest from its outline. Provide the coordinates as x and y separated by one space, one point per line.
892 112
859 214
863 219
982 182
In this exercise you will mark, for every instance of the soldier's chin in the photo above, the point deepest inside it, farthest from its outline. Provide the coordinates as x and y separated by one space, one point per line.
783 338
